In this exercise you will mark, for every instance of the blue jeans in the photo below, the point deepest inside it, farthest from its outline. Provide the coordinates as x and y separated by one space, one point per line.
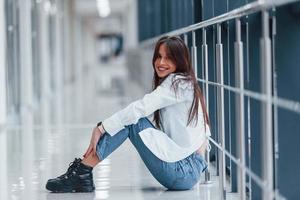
180 175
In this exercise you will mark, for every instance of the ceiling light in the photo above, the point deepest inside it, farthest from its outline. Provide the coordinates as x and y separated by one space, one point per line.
103 8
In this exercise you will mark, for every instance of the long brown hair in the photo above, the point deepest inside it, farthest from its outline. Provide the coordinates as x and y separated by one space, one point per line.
179 54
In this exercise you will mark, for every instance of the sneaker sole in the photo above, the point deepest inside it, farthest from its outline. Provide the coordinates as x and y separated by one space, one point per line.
70 190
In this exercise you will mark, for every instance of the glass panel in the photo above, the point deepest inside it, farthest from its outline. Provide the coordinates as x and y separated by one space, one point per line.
13 54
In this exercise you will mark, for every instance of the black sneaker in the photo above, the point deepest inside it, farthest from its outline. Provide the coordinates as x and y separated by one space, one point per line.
78 178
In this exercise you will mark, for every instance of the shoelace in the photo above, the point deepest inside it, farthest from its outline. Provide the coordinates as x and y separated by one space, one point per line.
72 166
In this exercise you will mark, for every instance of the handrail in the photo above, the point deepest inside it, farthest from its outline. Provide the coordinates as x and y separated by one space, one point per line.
281 102
256 178
264 97
236 13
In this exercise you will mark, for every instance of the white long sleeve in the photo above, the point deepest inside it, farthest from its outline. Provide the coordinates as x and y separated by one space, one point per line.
161 97
177 140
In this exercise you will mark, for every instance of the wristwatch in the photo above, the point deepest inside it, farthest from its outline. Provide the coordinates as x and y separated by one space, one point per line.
101 128
99 124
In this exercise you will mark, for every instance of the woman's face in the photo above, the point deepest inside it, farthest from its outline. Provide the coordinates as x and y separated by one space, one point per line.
163 64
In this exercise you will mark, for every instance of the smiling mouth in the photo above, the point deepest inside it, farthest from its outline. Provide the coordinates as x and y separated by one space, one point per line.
162 69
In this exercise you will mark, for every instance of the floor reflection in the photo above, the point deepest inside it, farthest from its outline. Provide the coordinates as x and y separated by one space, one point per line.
35 157
32 154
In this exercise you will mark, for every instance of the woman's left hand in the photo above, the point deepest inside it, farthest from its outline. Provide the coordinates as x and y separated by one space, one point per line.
93 143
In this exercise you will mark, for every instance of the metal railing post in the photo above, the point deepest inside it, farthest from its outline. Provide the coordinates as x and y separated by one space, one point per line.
266 87
185 39
194 54
205 74
240 115
220 108
249 137
275 94
266 97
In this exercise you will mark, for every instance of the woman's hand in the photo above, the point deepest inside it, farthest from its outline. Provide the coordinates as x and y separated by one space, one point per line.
93 143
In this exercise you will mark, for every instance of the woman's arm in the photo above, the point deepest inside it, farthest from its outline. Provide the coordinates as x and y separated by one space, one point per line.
161 97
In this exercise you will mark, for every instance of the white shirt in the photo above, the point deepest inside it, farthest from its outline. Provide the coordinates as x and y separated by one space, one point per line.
176 140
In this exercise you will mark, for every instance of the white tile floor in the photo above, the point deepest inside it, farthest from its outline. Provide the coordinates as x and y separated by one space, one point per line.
122 175
31 156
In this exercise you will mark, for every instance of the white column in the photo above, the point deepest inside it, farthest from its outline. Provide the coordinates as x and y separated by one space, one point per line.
130 29
26 63
78 68
68 63
66 41
89 57
58 66
89 63
2 66
45 71
25 37
3 149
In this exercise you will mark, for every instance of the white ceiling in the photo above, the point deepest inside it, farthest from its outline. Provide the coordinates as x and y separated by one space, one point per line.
114 23
88 8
